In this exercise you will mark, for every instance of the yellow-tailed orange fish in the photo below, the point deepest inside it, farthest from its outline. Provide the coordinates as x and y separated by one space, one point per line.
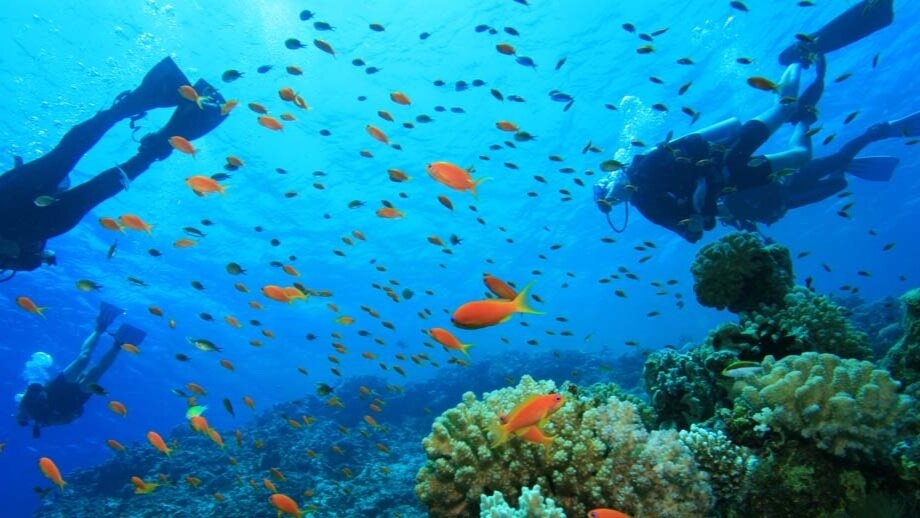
188 92
110 224
182 144
285 504
203 185
227 365
454 176
276 293
158 442
141 487
533 411
286 93
378 135
50 470
507 126
606 513
483 313
27 304
228 106
448 340
134 223
498 287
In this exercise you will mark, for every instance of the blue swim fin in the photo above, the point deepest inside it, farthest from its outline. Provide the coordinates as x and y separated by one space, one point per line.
107 314
128 334
873 168
906 126
854 24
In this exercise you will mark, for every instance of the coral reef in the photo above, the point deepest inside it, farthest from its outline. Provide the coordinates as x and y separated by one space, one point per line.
730 467
602 456
531 504
739 272
844 406
903 359
684 387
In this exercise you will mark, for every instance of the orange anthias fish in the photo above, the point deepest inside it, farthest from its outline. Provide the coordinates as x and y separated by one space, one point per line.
118 407
134 223
498 287
158 442
203 185
378 135
276 293
448 340
182 144
400 98
533 411
389 213
454 176
606 513
50 470
270 123
27 304
188 92
285 504
110 224
141 487
484 313
115 445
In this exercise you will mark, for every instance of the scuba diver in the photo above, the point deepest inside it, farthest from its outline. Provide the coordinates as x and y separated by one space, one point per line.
36 199
61 400
679 185
817 180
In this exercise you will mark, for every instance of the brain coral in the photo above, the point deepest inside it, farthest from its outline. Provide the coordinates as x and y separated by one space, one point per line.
845 406
739 273
602 456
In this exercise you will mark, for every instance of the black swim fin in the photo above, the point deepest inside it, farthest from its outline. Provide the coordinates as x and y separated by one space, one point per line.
854 24
128 334
873 168
107 314
17 161
158 89
908 126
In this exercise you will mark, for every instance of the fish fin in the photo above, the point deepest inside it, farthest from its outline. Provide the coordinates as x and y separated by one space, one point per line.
873 168
465 349
476 184
17 161
501 433
520 301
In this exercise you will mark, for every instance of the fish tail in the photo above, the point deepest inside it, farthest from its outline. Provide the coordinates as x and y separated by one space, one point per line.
476 184
465 349
520 301
502 435
41 311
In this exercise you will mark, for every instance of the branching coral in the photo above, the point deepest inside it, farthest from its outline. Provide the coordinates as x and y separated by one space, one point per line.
903 359
730 466
531 504
602 456
739 273
845 406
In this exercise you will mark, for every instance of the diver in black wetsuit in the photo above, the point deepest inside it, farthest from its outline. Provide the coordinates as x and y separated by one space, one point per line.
36 202
61 400
680 184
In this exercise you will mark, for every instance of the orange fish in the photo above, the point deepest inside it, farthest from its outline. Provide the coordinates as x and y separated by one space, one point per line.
498 287
454 176
184 243
484 313
397 175
286 93
269 485
110 224
249 402
115 445
290 270
131 348
285 504
378 135
193 481
234 161
228 106
141 487
400 98
227 365
182 144
230 319
196 388
27 304
385 115
188 92
533 411
203 185
389 213
155 311
158 442
448 340
258 108
275 293
293 293
134 223
507 126
270 123
505 48
212 433
118 407
535 435
199 423
50 470
606 513
762 83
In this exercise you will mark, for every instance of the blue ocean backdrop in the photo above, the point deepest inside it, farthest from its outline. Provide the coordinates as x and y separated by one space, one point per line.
289 203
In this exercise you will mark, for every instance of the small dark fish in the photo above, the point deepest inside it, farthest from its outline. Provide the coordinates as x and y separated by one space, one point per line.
805 3
887 247
560 97
830 138
560 63
461 85
512 31
610 106
424 36
645 49
306 14
496 94
805 38
478 82
231 75
221 176
112 249
323 26
371 70
744 61
182 357
324 46
192 231
850 117
808 283
646 37
97 389
154 252
455 240
358 62
875 60
739 6
516 99
293 44
525 61
659 32
264 69
228 406
481 28
657 80
207 317
438 82
197 285
137 282
454 109
684 87
323 389
207 222
659 107
376 27
407 293
628 27
684 61
423 119
843 77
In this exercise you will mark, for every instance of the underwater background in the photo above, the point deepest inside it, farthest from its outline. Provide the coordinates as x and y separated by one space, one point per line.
529 222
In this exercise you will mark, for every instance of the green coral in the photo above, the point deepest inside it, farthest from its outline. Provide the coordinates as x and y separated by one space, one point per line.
730 466
903 359
739 272
804 322
683 388
844 406
531 504
602 456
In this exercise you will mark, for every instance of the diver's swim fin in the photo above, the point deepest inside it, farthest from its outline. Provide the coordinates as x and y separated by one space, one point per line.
906 126
873 168
17 161
107 314
128 334
854 24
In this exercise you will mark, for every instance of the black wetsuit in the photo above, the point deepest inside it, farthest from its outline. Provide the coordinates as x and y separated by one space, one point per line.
29 225
667 178
58 402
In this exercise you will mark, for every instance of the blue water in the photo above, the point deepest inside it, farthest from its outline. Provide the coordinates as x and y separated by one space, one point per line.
65 61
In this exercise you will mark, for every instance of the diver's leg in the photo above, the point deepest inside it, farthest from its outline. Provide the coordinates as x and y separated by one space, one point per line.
857 22
782 111
819 191
94 374
73 371
798 154
724 132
